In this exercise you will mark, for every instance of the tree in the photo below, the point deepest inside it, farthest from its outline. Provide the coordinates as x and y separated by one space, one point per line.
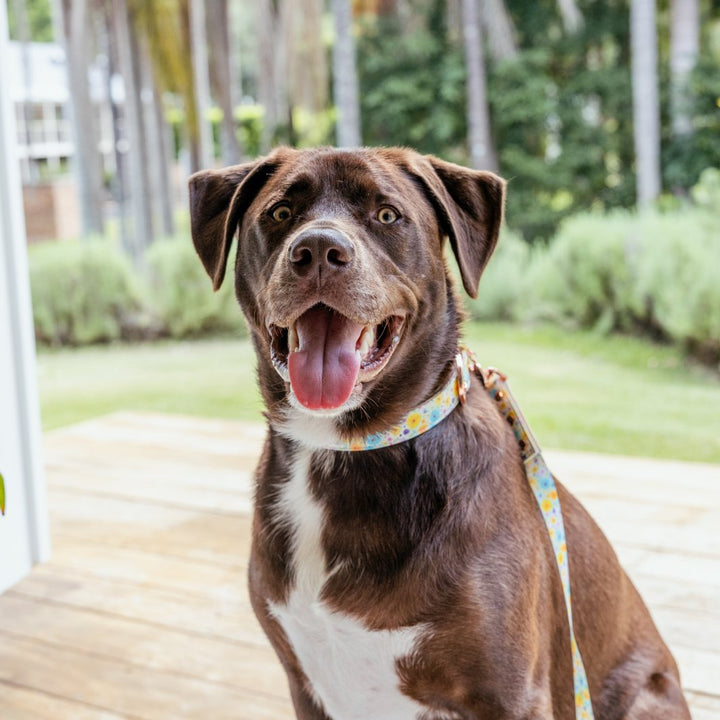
482 152
345 83
271 60
200 66
499 29
646 108
139 186
572 18
220 77
75 20
684 51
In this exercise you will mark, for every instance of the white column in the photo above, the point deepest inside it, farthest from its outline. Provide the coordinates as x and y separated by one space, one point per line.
24 530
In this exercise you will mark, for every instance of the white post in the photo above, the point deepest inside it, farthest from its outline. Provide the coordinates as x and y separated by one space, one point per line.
24 530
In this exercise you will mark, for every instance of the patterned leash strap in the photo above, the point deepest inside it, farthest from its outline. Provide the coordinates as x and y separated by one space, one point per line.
543 485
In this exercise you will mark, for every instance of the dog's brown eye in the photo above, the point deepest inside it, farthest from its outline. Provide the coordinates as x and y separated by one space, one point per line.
387 215
281 213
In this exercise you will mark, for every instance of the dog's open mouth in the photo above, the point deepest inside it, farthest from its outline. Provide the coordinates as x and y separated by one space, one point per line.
324 354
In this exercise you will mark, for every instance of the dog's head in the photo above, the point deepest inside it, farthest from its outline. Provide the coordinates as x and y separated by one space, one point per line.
340 269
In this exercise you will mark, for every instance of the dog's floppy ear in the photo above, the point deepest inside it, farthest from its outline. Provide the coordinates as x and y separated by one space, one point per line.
218 200
469 204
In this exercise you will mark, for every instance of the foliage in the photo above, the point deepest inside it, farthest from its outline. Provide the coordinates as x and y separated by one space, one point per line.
653 274
503 284
180 293
411 87
82 293
85 293
39 18
684 158
560 109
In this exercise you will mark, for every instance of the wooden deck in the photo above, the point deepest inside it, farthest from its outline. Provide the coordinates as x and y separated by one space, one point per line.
143 612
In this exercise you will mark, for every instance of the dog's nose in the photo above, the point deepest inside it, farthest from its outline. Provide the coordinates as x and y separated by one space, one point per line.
320 249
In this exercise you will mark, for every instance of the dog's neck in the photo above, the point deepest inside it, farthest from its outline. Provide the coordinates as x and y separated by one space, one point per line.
320 433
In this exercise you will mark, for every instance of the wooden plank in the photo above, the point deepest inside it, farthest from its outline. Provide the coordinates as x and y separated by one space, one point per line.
219 539
703 707
688 597
126 689
173 650
229 617
699 669
191 576
20 703
166 434
147 489
628 475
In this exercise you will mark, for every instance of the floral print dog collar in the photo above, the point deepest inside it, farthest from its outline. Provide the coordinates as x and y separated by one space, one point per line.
420 420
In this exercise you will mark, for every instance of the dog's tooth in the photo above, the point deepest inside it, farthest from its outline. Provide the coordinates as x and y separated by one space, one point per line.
293 343
367 340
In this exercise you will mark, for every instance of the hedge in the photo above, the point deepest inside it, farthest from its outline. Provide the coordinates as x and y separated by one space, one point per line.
88 292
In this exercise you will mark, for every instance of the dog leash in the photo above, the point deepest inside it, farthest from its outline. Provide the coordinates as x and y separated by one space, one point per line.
543 486
539 477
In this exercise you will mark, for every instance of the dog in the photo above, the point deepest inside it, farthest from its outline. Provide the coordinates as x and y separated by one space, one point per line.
415 580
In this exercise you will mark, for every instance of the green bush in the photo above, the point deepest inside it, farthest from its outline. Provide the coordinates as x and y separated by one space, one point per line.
653 273
503 284
676 279
82 292
180 293
584 274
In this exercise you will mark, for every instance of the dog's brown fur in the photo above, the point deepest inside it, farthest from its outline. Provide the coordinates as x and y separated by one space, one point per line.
442 529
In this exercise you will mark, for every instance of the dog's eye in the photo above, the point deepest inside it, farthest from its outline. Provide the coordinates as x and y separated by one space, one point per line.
387 215
280 213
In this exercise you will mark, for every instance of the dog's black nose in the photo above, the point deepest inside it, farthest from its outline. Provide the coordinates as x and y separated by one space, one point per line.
320 249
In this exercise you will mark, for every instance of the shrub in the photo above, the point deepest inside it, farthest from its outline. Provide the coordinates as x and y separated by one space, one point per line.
180 293
676 280
653 273
82 292
503 284
584 275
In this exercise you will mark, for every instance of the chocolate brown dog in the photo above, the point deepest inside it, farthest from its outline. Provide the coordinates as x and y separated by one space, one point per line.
415 581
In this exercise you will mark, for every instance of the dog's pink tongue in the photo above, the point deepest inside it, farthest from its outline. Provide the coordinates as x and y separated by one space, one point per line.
324 370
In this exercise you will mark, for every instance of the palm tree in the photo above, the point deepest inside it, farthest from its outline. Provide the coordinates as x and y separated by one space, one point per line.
499 29
139 186
482 152
684 51
201 74
345 83
646 108
75 19
218 36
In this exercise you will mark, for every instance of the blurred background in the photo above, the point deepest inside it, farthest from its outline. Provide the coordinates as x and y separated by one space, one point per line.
603 116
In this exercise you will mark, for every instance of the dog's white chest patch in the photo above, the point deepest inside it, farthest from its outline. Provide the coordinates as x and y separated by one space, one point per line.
352 669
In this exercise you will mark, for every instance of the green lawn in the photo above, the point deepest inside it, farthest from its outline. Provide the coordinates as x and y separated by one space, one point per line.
578 390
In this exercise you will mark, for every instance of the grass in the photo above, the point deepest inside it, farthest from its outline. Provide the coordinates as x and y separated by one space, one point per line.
579 390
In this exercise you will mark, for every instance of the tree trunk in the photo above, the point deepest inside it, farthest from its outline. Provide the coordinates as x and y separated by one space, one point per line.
684 51
345 83
86 158
499 29
202 79
482 152
572 18
119 183
218 34
139 183
646 108
269 76
157 147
